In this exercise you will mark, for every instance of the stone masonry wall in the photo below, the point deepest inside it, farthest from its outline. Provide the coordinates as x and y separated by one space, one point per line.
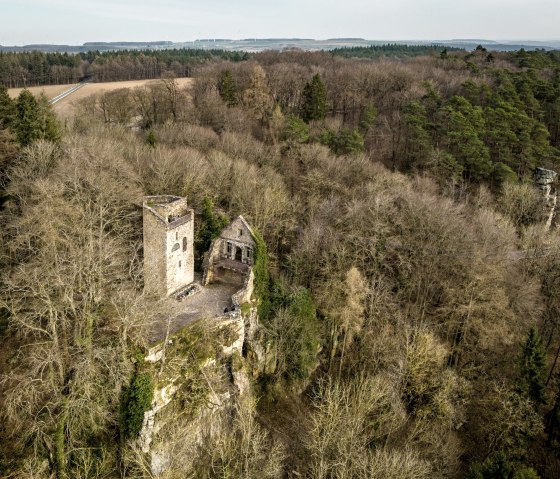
155 269
245 293
180 255
238 231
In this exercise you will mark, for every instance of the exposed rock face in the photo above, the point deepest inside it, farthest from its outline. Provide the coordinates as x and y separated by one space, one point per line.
544 180
206 357
162 398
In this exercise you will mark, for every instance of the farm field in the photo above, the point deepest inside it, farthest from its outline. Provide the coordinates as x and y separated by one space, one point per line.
66 105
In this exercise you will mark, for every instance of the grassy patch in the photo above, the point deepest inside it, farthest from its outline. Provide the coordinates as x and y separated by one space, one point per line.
245 309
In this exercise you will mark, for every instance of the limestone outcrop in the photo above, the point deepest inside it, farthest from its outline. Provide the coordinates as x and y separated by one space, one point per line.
545 181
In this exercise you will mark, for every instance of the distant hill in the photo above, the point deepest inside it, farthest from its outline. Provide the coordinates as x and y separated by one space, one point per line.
260 44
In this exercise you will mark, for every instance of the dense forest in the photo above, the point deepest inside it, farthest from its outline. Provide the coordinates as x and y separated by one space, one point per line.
392 50
406 281
18 70
27 69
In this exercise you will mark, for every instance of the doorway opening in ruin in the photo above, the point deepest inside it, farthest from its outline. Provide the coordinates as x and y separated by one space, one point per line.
238 254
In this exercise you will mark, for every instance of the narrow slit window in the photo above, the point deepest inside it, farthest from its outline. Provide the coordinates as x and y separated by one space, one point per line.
185 243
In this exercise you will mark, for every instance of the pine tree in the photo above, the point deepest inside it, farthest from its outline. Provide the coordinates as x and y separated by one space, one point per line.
35 119
464 125
50 127
227 88
314 100
26 125
368 117
418 144
532 367
7 108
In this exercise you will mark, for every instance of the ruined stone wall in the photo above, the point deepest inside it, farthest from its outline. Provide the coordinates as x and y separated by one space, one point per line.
211 257
245 293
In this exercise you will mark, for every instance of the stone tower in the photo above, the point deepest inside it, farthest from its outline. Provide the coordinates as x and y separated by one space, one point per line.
168 244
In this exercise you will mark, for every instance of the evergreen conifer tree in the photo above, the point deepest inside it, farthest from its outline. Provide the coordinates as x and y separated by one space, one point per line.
50 127
532 367
27 125
35 119
7 108
227 88
314 100
368 117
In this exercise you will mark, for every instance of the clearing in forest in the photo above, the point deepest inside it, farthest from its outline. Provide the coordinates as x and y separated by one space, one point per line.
65 106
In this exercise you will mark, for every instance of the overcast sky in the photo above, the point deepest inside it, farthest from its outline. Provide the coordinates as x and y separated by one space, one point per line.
79 21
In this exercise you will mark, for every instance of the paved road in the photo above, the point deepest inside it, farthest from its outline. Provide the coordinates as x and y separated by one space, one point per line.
68 92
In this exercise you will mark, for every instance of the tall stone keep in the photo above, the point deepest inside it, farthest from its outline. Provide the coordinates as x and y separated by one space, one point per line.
168 244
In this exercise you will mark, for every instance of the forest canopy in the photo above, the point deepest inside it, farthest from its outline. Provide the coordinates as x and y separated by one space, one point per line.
407 285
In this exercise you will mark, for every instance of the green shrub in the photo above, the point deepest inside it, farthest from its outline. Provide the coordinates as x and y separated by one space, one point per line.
211 227
294 327
499 466
296 130
345 142
262 278
136 399
245 309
